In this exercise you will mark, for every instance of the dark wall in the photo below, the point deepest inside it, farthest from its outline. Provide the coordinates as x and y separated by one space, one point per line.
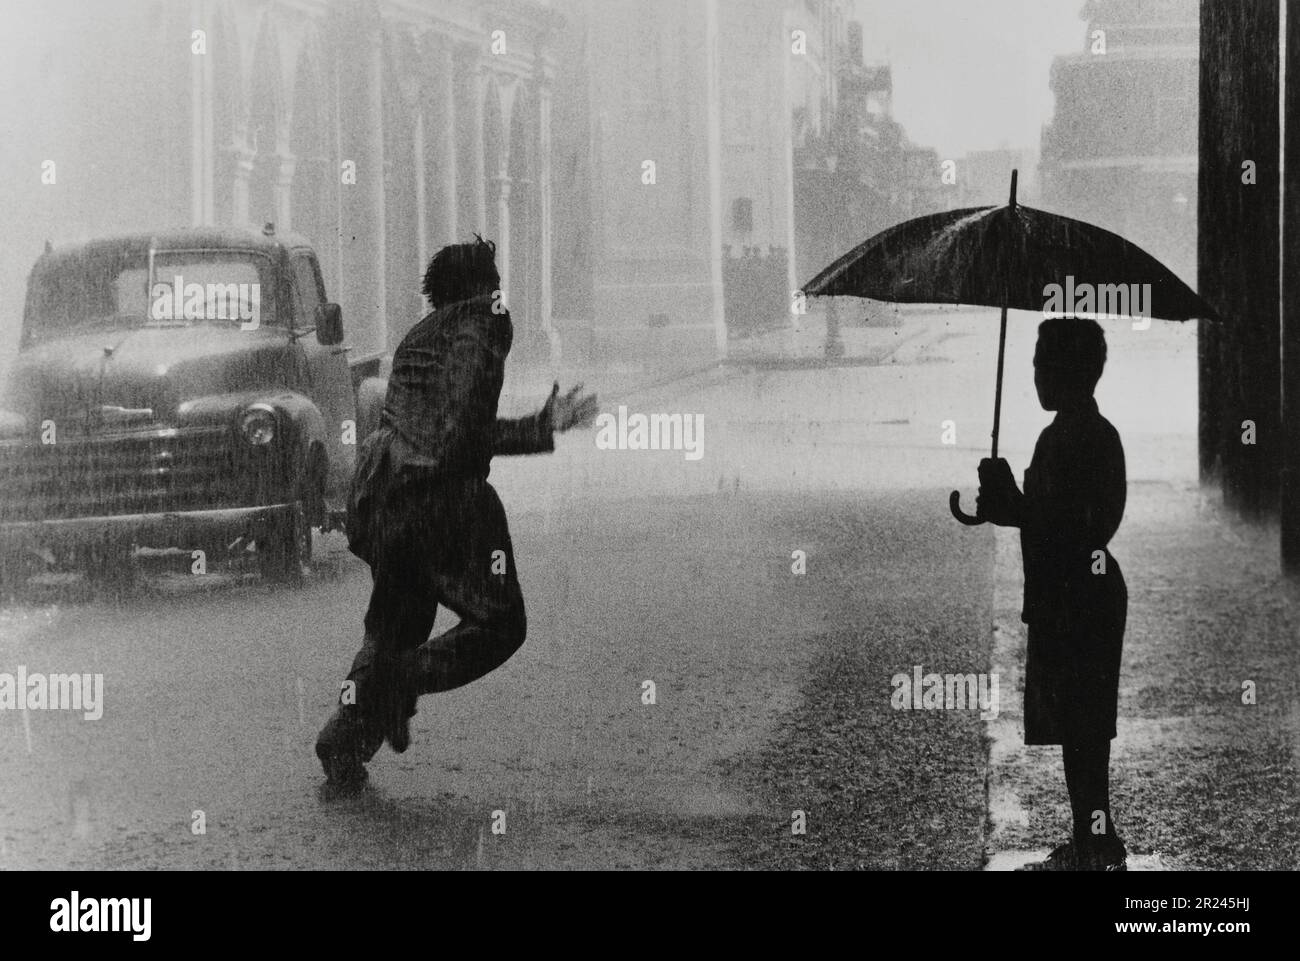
1290 500
1240 370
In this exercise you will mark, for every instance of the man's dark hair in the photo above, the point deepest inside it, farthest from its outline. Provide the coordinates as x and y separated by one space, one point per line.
460 271
1072 345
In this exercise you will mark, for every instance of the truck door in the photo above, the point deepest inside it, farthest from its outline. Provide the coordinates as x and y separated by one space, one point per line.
331 378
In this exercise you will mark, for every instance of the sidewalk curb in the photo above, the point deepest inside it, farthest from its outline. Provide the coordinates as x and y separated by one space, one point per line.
1004 733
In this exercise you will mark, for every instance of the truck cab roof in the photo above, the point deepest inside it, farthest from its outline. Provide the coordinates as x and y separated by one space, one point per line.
186 238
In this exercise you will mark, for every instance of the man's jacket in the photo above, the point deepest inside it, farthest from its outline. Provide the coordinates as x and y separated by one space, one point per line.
440 424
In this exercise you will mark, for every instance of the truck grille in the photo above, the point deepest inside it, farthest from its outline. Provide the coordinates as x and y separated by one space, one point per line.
151 471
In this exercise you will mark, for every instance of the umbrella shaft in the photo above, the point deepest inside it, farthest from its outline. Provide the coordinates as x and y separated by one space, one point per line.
997 392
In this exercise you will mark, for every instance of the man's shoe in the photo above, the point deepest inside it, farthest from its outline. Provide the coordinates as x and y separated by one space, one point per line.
399 727
344 745
340 771
1063 858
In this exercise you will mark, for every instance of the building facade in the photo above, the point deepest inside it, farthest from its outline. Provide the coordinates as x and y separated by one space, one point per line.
648 176
641 172
1126 163
855 170
382 132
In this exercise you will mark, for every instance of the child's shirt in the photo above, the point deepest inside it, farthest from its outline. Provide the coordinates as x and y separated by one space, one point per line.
1074 489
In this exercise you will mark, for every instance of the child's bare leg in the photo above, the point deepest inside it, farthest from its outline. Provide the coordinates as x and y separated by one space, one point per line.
1087 778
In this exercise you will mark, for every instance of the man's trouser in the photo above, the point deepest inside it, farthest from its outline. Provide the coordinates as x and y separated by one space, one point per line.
439 543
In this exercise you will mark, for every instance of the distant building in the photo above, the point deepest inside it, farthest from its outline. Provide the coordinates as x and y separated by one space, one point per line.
380 130
639 239
648 179
856 172
815 94
984 177
1121 150
582 136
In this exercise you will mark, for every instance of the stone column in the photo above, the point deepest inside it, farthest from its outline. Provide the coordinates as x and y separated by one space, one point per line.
501 187
283 193
471 185
374 175
444 142
542 177
362 241
209 143
421 198
243 160
198 109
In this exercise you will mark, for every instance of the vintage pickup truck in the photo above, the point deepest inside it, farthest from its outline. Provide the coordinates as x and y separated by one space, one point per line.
188 390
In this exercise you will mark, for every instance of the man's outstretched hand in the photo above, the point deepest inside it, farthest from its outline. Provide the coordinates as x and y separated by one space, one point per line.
570 410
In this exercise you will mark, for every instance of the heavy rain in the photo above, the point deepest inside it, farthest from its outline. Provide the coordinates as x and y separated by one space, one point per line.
267 267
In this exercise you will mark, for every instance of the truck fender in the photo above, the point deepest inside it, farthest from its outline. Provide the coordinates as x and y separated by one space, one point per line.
371 393
306 418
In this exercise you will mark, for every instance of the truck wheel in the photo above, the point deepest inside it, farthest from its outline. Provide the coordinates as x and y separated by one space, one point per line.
287 553
287 547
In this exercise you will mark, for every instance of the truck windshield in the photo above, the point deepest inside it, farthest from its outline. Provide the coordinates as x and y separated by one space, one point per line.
188 287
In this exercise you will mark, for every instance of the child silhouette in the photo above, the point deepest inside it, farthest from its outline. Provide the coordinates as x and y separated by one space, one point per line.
1075 601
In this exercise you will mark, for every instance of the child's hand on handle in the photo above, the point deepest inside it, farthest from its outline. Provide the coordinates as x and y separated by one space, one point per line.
999 497
573 409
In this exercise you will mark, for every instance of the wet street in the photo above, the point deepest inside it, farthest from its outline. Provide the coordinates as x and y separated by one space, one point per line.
771 687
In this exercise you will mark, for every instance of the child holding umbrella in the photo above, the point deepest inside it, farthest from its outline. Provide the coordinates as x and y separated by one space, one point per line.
1075 600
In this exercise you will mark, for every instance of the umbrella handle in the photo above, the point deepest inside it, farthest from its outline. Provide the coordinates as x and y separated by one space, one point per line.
954 505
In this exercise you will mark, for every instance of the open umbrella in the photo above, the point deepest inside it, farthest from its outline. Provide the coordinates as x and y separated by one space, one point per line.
1008 257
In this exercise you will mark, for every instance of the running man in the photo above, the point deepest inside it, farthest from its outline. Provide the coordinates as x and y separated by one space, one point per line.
422 514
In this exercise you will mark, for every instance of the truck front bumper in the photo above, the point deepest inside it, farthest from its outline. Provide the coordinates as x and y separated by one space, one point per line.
209 530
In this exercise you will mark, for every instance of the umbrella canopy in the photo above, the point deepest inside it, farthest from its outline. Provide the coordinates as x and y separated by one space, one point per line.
1007 256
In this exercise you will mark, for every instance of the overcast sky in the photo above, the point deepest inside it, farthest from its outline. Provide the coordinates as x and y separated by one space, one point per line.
971 74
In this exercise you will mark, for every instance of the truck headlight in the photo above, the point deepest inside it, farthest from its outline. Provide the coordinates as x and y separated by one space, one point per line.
257 426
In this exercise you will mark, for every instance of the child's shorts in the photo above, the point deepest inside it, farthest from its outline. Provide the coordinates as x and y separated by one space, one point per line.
1072 676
